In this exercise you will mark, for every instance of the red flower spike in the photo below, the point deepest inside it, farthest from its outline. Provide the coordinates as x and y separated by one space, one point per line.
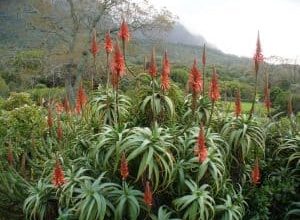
258 56
10 156
255 173
58 178
195 79
94 45
124 31
124 167
152 65
214 92
117 66
108 43
200 148
66 105
59 131
148 198
81 99
204 56
50 118
165 80
238 106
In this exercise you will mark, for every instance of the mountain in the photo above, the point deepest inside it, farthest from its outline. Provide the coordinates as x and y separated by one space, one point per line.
180 34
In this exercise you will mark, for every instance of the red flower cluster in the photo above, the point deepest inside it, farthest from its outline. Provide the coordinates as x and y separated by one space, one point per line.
58 178
124 167
258 56
81 99
94 45
148 198
165 80
117 66
255 173
195 79
10 156
152 65
238 107
59 131
108 43
66 104
50 118
200 149
214 92
124 31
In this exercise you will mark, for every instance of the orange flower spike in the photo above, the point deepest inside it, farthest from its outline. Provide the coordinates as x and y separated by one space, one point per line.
81 99
195 79
255 173
148 197
94 45
49 118
165 80
124 31
117 66
124 167
59 131
214 92
202 149
66 105
238 106
258 56
58 178
152 65
108 43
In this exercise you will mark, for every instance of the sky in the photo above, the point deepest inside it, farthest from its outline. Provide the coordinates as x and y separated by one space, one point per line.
232 25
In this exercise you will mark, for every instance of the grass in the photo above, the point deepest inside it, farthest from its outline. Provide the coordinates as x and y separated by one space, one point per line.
246 106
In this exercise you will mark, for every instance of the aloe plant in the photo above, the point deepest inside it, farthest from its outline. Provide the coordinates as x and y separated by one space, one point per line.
152 150
199 204
127 201
93 202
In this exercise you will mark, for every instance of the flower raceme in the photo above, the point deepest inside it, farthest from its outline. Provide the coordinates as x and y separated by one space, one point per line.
165 75
124 31
117 66
148 198
81 99
195 79
290 107
258 56
238 107
124 167
152 65
108 43
267 99
49 118
58 178
255 173
214 92
66 105
94 45
200 148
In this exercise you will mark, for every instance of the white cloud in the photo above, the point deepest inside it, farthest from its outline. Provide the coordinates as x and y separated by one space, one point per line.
232 24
